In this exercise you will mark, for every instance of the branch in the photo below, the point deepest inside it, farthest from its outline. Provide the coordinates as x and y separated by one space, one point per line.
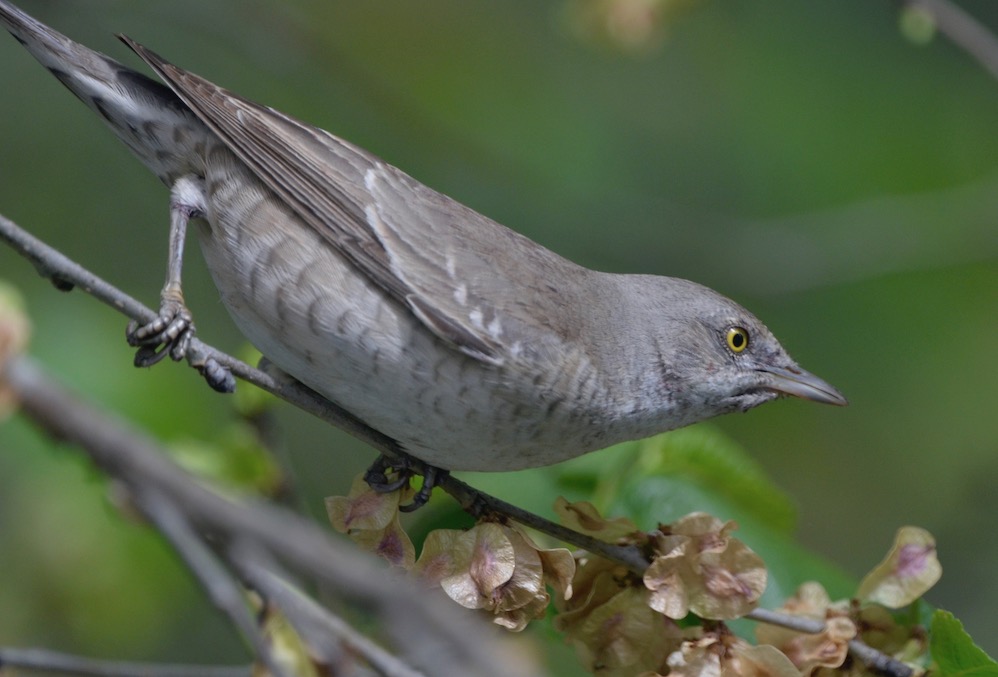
870 657
316 624
56 662
224 592
962 29
136 460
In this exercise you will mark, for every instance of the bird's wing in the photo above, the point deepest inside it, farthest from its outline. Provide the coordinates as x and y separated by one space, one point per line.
425 250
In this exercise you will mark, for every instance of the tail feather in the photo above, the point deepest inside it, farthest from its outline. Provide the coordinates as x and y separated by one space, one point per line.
146 115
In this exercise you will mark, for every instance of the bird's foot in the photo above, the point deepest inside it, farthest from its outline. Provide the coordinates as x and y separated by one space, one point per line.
169 334
386 475
377 475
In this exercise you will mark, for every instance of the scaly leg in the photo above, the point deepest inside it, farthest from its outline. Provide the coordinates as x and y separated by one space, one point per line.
171 332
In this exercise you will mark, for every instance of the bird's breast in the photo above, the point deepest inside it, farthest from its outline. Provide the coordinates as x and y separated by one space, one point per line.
320 320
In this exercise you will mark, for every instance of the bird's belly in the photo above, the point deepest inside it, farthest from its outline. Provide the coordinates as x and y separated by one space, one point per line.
311 314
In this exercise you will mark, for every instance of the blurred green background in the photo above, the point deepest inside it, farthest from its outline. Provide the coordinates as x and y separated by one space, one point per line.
805 159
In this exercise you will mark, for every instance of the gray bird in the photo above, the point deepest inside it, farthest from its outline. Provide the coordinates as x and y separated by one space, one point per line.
471 345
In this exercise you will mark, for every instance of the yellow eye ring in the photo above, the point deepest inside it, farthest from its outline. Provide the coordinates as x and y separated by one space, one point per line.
737 338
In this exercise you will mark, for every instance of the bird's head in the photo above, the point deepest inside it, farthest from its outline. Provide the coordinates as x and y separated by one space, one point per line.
717 357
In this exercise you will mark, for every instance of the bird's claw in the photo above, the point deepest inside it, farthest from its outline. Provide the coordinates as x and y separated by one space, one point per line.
218 376
377 477
169 334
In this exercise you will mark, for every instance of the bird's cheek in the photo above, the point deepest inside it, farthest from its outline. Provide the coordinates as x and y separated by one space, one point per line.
753 399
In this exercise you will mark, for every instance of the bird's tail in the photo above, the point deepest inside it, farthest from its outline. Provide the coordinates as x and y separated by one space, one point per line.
143 113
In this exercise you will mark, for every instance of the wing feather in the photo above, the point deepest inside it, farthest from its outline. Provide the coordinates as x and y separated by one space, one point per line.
426 251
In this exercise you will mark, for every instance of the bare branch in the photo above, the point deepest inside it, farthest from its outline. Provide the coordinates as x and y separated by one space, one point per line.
963 30
134 459
224 592
57 662
316 623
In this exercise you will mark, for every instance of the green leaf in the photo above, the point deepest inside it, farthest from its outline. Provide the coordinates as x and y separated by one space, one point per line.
955 653
707 459
235 457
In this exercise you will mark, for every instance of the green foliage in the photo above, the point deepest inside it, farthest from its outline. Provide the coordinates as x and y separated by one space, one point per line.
235 458
954 652
705 458
72 565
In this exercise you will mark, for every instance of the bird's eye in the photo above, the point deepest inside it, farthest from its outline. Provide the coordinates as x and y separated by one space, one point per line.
737 338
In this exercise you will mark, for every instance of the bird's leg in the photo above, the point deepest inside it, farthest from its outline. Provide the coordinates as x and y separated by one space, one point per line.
404 467
171 332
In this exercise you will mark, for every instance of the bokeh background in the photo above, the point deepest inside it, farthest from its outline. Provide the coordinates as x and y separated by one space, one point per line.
812 160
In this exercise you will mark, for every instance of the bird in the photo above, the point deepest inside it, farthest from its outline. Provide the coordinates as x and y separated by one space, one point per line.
469 344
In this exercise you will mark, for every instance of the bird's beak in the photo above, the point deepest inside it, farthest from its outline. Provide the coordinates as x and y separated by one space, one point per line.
799 383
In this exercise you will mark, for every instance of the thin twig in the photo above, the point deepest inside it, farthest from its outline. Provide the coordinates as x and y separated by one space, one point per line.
316 624
963 30
222 590
810 626
57 662
473 500
877 661
869 656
